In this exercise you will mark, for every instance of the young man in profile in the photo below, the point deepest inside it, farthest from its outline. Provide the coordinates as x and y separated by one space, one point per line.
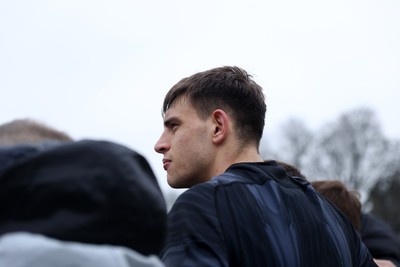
240 210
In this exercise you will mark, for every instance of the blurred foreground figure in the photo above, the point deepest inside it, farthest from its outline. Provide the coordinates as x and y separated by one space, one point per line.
240 210
75 203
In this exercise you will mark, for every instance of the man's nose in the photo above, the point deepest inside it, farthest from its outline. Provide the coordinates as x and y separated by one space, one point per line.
161 145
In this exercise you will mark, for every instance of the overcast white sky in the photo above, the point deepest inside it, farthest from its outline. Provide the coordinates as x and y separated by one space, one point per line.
100 69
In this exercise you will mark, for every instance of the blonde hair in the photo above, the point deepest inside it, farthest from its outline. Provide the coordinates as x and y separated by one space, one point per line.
27 131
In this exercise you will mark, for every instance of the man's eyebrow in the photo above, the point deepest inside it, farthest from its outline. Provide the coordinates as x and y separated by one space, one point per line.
170 121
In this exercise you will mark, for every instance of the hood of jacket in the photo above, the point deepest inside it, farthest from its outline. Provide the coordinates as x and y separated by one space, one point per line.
87 191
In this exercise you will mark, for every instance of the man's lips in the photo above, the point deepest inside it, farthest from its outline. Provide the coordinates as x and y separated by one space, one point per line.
166 163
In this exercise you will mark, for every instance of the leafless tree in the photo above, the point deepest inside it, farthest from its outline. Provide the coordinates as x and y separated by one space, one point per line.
384 199
294 140
351 148
354 150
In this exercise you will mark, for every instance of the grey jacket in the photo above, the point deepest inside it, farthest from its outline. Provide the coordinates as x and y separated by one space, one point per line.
21 249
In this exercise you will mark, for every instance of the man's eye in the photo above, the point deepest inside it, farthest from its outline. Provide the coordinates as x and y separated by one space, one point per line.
172 126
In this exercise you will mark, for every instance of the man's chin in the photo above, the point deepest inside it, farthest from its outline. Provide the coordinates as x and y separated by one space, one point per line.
177 184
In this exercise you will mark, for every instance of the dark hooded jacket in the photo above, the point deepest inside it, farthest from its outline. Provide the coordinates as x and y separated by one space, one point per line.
94 192
380 239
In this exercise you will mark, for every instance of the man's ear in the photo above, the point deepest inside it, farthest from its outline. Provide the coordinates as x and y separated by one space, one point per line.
221 125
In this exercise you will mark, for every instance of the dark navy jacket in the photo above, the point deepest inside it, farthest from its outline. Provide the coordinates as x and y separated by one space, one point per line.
255 215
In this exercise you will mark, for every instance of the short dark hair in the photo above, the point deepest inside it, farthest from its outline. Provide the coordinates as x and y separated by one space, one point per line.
229 88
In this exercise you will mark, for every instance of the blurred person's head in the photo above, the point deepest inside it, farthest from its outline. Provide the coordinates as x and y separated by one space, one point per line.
28 131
